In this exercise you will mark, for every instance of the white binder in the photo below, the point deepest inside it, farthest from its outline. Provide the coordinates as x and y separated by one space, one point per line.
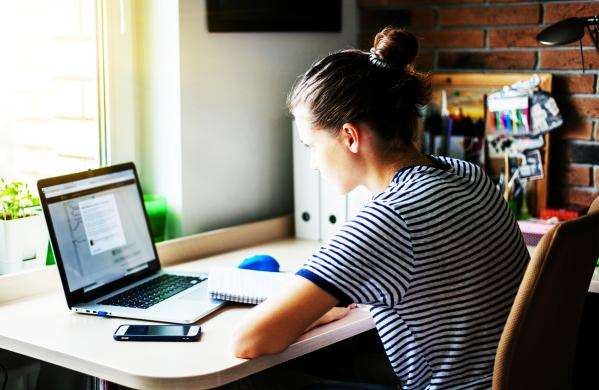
306 190
356 199
333 210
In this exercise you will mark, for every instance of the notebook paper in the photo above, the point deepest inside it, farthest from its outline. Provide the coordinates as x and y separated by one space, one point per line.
245 286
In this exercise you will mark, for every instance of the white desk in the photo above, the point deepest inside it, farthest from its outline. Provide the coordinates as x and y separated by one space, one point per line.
43 328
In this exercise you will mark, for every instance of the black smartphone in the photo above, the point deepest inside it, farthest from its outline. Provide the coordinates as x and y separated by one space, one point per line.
157 333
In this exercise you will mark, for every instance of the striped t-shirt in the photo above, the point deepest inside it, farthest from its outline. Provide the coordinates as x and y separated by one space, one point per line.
439 256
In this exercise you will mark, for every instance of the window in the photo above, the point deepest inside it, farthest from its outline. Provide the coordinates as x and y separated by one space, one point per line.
49 106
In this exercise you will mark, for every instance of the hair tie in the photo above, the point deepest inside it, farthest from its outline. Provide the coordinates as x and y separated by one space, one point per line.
377 61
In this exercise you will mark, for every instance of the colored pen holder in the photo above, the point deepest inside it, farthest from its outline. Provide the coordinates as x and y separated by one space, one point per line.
156 209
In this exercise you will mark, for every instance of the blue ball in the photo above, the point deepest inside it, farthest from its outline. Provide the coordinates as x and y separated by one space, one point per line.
260 263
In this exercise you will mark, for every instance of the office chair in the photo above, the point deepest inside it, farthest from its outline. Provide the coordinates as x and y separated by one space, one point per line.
594 206
536 349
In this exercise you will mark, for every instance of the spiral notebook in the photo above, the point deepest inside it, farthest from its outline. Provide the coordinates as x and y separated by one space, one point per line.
245 286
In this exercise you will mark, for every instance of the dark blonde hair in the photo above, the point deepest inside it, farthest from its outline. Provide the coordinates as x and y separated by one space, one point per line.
380 88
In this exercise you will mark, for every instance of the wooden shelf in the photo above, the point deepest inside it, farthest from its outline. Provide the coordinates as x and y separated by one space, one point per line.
493 82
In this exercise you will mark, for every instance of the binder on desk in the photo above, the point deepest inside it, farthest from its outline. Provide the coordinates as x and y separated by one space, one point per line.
306 189
333 210
356 200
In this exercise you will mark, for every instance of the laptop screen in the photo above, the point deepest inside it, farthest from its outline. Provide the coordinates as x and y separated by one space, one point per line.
100 228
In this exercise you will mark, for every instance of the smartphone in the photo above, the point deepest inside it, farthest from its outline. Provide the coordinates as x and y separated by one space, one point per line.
157 333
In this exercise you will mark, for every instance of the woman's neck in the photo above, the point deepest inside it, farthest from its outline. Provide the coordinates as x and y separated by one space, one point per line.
380 172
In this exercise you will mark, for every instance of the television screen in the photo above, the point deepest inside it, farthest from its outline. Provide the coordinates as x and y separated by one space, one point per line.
273 15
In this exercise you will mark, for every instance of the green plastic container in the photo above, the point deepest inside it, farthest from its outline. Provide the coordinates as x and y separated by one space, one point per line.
50 260
156 208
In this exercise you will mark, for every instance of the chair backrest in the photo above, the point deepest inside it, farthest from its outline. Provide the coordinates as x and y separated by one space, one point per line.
536 349
594 206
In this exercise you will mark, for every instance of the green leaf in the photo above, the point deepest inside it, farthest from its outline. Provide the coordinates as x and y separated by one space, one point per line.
15 200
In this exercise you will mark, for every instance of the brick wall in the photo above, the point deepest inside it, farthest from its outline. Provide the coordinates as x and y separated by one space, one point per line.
499 35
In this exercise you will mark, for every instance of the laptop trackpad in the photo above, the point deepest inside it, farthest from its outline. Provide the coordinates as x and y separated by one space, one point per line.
198 294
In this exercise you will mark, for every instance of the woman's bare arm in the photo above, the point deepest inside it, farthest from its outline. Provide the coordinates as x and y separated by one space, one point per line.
277 322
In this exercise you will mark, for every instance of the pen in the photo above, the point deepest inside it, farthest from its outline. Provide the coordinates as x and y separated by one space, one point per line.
497 121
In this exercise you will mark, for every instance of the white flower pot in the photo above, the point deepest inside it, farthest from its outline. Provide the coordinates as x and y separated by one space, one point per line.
23 243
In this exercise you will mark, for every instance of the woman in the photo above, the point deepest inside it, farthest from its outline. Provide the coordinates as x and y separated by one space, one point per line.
436 253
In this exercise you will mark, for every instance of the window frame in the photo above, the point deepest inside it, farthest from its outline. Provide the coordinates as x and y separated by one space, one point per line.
116 73
116 112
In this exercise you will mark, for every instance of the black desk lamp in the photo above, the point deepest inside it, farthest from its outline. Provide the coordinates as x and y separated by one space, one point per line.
571 30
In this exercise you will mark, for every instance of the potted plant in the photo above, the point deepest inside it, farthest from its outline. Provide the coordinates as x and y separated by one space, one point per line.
22 229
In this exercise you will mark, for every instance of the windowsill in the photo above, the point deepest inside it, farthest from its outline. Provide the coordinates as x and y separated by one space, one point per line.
46 280
28 283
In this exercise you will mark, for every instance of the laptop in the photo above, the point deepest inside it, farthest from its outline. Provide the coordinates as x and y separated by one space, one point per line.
105 254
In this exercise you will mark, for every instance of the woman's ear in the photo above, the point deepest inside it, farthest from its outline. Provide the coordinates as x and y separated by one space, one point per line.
350 136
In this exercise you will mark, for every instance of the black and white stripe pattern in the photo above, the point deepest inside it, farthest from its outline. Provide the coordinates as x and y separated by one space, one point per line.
439 257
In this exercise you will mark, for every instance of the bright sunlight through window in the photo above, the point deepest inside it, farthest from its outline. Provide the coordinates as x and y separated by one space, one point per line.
48 88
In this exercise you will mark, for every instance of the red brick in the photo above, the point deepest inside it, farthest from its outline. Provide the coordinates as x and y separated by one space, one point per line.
523 37
373 20
580 152
575 129
579 196
422 18
568 59
425 60
395 3
578 175
452 38
373 3
517 37
527 14
556 12
566 84
587 106
596 176
487 60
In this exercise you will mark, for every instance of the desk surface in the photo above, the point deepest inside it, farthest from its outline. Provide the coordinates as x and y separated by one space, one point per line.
43 328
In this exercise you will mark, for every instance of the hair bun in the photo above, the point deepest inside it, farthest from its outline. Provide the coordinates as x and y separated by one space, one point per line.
396 47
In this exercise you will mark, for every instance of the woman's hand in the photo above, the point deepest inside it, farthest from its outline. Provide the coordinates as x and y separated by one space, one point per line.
273 325
336 313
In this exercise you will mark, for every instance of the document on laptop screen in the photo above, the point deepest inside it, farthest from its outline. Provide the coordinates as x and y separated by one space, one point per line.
102 223
101 229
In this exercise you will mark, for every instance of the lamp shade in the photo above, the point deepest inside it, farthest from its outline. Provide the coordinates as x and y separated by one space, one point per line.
563 32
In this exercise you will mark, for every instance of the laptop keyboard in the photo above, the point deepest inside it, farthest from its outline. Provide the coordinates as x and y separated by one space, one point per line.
153 291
